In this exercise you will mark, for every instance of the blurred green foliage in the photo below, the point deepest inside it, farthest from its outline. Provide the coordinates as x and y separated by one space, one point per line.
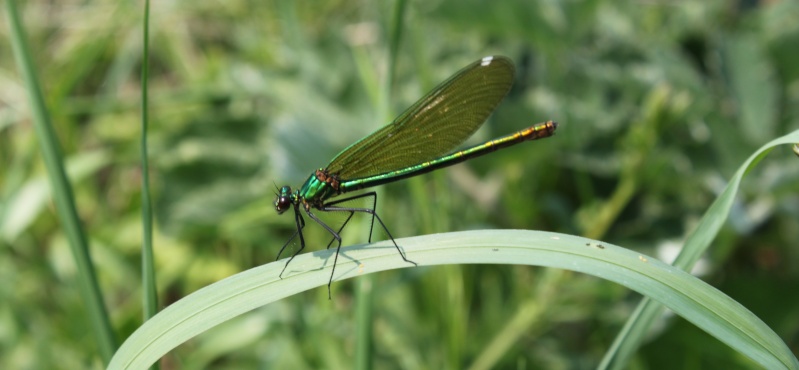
659 102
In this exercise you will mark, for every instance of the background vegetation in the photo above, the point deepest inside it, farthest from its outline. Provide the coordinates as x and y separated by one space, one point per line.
659 103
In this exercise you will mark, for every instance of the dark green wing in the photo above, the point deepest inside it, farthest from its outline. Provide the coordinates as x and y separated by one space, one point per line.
433 126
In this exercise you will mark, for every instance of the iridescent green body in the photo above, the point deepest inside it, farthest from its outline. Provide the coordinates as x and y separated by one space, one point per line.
538 131
420 140
322 185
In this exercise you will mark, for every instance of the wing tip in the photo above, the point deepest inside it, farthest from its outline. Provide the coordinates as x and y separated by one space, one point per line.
487 60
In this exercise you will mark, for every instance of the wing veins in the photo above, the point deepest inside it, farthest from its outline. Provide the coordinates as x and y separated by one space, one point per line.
433 126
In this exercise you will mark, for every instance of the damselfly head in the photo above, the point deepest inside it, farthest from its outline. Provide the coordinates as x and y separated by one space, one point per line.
283 200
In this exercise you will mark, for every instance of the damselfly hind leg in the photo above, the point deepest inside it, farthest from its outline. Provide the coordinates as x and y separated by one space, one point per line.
371 194
336 237
330 207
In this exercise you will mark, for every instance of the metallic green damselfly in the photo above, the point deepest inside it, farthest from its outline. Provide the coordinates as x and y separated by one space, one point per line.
416 142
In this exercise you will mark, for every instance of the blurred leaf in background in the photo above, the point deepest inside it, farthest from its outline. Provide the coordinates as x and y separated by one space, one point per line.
658 103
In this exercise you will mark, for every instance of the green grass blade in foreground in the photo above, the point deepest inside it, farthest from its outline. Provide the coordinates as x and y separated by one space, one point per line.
150 294
61 189
689 297
637 326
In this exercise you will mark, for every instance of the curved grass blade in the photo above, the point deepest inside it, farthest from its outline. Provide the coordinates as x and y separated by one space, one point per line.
689 297
696 244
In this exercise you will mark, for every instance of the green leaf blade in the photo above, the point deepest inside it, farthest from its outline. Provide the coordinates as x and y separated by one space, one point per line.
686 295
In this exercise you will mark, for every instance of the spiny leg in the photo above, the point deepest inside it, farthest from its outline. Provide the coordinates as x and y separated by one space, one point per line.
287 243
374 208
339 230
300 222
338 248
328 208
364 195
